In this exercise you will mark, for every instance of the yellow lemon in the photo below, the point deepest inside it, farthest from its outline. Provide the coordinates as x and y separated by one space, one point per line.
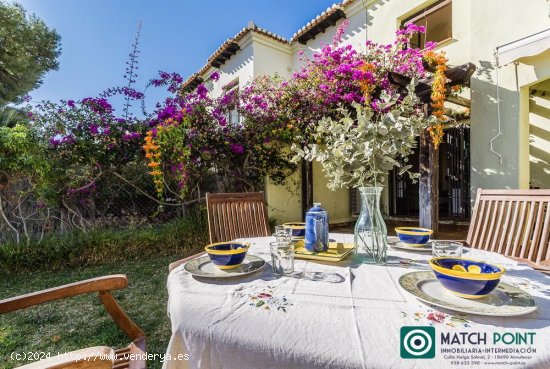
459 268
474 269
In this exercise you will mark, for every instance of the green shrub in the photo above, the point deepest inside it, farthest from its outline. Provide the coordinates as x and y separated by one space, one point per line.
77 249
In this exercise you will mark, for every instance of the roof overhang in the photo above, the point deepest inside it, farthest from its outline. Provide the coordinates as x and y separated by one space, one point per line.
229 48
319 25
524 47
223 55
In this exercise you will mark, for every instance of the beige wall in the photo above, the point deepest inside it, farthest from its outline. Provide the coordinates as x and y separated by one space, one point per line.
539 134
271 58
337 203
514 21
284 203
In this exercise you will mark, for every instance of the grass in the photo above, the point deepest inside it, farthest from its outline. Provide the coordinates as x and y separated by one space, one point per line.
70 324
97 247
81 321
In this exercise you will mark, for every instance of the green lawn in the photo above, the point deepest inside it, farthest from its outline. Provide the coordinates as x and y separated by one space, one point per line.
81 321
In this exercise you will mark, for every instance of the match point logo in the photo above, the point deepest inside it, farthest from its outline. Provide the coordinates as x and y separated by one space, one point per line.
417 342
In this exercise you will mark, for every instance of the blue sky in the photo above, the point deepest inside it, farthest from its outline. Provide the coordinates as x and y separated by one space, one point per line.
177 35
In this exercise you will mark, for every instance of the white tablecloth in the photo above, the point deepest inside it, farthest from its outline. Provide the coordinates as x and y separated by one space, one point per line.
330 316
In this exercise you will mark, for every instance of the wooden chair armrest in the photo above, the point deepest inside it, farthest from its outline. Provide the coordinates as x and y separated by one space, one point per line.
122 320
176 264
100 357
537 266
106 283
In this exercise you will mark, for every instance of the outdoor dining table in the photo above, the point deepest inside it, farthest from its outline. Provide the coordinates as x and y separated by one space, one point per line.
336 315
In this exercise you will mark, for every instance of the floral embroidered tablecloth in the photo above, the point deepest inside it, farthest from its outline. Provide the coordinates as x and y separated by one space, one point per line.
329 315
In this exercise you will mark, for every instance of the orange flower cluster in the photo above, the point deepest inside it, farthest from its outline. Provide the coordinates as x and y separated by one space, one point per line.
152 153
367 87
439 94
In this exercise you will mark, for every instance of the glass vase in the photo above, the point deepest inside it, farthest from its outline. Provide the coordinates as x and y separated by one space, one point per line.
371 234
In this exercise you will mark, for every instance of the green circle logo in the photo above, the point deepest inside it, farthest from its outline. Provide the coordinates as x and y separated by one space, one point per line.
417 342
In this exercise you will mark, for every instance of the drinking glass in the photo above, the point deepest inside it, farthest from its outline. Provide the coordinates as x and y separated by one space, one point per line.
282 257
283 234
446 248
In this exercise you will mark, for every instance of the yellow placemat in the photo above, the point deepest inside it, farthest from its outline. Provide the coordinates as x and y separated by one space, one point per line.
336 251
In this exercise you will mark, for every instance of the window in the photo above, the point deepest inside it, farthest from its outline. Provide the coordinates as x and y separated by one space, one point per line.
233 117
438 21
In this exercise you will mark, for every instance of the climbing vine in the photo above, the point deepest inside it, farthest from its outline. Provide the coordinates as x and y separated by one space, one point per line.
439 94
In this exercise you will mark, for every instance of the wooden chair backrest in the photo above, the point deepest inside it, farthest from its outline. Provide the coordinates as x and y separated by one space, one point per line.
514 223
236 215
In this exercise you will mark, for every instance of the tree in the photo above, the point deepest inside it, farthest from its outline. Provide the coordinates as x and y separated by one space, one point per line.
10 116
28 49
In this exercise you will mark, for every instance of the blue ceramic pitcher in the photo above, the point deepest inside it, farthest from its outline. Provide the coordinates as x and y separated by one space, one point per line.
316 239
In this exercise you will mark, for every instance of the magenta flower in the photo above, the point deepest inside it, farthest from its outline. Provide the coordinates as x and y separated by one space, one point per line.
98 105
237 148
54 141
68 140
94 129
340 32
215 76
202 91
130 136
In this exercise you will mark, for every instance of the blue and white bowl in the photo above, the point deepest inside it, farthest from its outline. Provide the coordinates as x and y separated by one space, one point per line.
227 255
471 279
298 229
413 236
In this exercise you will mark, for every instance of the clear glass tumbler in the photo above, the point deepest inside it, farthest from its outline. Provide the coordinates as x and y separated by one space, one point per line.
446 248
283 234
282 257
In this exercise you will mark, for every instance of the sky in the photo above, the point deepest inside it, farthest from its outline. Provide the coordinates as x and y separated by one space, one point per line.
176 36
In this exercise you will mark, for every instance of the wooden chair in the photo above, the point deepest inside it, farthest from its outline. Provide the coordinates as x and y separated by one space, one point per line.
231 216
131 357
515 223
236 215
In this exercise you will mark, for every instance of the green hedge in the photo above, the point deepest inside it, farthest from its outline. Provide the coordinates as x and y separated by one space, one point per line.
179 237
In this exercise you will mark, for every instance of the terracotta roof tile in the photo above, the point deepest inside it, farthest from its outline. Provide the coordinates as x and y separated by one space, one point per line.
334 8
223 47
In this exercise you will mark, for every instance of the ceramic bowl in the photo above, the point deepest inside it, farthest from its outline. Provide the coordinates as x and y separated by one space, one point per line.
413 236
471 279
298 229
227 255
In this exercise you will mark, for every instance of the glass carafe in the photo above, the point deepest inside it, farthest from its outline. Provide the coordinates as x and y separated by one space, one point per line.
371 234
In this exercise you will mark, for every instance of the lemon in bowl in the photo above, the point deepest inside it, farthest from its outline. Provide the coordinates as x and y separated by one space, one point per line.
467 278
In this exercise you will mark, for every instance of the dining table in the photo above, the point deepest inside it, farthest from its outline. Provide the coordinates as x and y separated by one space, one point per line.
346 314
